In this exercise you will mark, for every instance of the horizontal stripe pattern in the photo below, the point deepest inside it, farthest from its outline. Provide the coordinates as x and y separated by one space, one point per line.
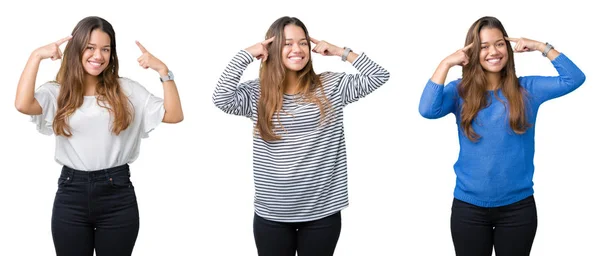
301 177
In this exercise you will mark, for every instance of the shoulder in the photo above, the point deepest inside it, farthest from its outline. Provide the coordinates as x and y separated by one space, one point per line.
454 83
255 81
526 81
50 88
137 94
253 85
330 74
329 77
131 87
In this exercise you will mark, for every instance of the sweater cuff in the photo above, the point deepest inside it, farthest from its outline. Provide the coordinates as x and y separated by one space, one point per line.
561 59
245 57
433 85
360 60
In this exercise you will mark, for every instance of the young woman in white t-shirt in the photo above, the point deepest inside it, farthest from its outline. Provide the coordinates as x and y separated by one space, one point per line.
98 119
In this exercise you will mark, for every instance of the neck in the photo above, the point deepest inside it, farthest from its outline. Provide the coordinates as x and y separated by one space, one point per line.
493 80
89 87
291 83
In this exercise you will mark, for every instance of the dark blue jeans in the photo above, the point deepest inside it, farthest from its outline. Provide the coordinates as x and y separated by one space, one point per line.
311 238
509 229
95 210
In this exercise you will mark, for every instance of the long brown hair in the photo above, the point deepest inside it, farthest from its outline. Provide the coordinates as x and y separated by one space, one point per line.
71 77
272 77
473 87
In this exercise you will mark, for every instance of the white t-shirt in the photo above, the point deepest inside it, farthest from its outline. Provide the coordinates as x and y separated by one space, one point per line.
92 145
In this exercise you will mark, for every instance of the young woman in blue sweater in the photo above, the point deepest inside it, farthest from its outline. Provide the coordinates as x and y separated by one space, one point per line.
495 112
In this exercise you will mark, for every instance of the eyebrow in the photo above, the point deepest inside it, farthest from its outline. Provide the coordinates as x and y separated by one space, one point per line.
293 39
495 41
108 45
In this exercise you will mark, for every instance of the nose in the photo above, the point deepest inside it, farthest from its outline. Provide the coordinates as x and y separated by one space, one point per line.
97 54
295 48
493 49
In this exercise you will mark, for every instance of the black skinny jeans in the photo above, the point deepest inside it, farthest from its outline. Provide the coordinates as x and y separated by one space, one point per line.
95 210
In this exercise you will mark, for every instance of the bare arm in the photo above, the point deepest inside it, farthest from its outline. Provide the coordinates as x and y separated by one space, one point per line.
172 102
528 45
173 109
25 101
460 57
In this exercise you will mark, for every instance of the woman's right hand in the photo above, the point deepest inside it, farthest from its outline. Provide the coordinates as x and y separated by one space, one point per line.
25 101
52 50
259 50
459 57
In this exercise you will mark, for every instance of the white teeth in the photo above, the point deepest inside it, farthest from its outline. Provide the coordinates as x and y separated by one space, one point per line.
494 60
95 64
295 58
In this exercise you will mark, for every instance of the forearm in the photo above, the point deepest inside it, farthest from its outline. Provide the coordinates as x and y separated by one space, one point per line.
25 101
172 103
352 87
552 54
232 74
351 57
229 95
440 74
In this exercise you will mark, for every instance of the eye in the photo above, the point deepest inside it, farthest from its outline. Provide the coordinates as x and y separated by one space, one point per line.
288 44
304 43
91 48
106 50
484 47
500 44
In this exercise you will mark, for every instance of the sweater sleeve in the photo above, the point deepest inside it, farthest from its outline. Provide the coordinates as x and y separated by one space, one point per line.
438 100
544 88
355 86
231 97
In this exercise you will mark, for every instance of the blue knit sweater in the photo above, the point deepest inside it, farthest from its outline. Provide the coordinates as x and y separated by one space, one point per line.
498 169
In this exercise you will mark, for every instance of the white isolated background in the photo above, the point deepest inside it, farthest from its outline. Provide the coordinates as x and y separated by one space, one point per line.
194 179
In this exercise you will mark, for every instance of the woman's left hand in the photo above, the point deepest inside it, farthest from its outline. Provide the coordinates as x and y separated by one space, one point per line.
325 48
147 60
526 45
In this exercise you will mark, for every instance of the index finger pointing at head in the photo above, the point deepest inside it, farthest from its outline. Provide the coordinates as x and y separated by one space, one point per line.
62 41
268 41
314 40
141 47
511 39
468 47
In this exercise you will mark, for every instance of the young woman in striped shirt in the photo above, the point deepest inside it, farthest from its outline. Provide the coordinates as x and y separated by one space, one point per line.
299 154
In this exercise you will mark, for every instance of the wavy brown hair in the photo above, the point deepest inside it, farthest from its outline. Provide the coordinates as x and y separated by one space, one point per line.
71 77
272 77
473 87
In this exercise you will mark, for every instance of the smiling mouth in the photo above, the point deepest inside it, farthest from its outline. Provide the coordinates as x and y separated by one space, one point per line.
95 64
493 60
